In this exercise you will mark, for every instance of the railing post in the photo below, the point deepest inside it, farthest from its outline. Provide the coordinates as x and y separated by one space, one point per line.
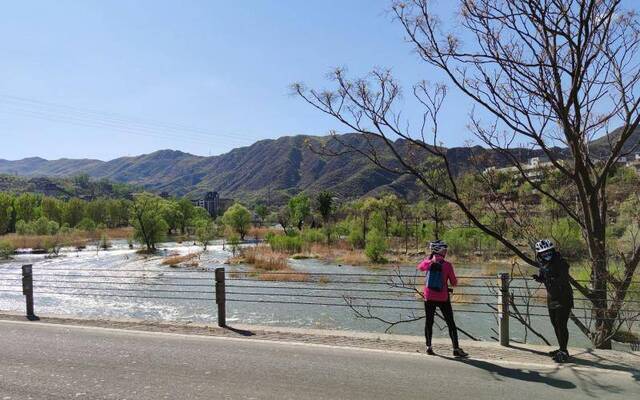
503 308
27 290
221 298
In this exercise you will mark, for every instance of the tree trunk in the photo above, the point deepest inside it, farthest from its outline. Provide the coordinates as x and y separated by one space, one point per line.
601 338
603 324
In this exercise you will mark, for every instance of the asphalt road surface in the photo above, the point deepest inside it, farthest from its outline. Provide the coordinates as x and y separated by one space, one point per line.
40 361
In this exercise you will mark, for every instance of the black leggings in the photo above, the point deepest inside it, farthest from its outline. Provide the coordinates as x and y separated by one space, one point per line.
447 313
559 319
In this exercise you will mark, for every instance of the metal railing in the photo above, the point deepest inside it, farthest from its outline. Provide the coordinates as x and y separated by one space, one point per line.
497 296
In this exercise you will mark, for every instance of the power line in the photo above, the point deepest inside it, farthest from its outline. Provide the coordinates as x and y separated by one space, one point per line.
99 119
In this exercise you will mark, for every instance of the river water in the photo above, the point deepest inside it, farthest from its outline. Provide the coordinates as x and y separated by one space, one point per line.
120 283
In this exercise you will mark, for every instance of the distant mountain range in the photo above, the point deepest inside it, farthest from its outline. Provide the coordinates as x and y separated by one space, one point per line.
268 170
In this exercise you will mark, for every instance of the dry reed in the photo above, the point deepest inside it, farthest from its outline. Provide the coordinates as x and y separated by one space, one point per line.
187 260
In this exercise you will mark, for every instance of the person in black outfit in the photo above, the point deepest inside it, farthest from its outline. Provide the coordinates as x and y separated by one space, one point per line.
554 274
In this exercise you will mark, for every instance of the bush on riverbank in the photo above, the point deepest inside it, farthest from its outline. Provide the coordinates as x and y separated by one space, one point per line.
6 250
376 246
289 244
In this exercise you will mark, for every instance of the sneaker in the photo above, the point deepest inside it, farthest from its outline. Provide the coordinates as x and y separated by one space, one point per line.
561 357
430 351
459 353
553 353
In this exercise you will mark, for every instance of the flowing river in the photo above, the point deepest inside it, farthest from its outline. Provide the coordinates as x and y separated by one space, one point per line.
119 283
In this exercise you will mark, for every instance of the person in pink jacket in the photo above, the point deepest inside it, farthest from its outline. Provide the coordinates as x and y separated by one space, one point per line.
439 274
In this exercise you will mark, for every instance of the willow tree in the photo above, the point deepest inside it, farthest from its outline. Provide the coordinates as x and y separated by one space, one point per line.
547 75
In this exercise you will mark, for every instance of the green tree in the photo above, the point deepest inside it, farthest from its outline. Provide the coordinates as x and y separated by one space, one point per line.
205 232
376 246
284 218
262 211
86 224
438 211
388 207
27 207
172 214
118 213
187 211
52 209
6 213
146 219
299 209
74 212
238 218
324 205
97 210
356 238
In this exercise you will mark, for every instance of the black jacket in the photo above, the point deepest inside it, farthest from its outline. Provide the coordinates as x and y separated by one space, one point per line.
555 276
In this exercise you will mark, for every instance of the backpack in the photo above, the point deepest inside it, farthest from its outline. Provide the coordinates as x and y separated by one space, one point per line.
434 276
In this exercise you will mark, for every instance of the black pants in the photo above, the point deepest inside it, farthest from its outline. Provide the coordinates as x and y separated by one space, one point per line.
559 319
447 313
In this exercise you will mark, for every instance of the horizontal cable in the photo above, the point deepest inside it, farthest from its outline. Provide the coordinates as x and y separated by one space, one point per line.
37 289
129 296
400 290
526 278
194 278
349 282
320 296
347 305
172 270
127 283
251 273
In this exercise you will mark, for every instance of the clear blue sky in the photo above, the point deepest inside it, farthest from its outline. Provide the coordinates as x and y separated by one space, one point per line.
218 69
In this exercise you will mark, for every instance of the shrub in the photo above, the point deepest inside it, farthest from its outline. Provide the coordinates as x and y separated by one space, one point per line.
286 244
311 236
6 249
376 246
23 228
234 241
65 230
87 224
461 240
53 227
343 228
355 238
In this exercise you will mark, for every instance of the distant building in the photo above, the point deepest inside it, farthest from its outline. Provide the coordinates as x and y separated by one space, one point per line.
634 163
210 202
165 195
534 169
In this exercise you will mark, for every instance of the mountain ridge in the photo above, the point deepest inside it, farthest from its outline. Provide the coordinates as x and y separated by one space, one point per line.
269 170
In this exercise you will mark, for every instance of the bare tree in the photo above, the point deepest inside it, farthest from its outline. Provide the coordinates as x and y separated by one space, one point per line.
546 73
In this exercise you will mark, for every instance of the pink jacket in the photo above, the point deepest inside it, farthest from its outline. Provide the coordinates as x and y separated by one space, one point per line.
447 273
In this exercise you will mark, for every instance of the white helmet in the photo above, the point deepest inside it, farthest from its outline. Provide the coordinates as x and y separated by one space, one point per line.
544 245
437 246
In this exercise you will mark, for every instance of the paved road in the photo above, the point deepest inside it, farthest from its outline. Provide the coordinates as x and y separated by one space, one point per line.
40 361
